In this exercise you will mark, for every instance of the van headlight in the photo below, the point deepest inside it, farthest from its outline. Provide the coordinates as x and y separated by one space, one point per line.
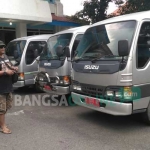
62 80
21 76
118 94
76 86
57 81
110 93
66 80
41 77
121 93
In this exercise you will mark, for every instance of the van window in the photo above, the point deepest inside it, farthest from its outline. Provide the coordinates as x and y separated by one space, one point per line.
102 40
15 46
143 45
55 41
32 47
76 43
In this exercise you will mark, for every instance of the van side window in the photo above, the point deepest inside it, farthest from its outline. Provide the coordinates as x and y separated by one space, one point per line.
34 48
76 43
143 46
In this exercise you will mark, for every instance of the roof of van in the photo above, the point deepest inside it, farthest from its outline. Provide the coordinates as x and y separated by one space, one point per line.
134 16
74 30
34 37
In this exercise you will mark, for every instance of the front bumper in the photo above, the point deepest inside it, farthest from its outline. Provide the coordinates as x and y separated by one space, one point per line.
55 90
58 90
111 107
19 84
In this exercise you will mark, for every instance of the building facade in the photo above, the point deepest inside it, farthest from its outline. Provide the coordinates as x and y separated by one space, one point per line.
31 17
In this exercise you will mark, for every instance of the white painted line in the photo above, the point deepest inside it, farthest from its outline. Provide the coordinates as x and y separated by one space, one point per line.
15 113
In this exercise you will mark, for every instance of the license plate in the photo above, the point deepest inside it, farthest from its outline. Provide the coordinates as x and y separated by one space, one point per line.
92 101
47 87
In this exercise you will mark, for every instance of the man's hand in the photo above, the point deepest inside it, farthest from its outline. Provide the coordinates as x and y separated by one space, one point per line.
15 68
10 72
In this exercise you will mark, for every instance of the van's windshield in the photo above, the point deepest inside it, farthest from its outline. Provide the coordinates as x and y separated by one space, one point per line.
102 41
15 47
53 42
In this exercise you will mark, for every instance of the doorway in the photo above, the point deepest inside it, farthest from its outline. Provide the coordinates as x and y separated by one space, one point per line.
7 35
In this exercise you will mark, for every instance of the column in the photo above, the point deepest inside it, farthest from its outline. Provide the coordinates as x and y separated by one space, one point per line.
21 30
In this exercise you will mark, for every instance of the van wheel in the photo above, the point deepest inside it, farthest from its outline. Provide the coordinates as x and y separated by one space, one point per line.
37 88
146 115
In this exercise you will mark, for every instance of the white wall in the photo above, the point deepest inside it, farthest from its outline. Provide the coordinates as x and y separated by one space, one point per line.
21 30
29 10
57 8
53 8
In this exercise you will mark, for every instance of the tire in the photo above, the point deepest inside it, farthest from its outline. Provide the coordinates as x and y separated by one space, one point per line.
37 88
146 115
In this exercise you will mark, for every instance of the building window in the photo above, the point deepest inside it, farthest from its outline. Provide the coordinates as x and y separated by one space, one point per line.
51 1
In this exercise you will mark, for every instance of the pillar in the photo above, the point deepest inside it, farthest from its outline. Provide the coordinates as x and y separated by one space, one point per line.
21 30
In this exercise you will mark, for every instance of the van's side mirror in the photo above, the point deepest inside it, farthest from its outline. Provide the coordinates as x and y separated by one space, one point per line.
36 53
38 59
16 55
123 48
59 50
67 51
45 49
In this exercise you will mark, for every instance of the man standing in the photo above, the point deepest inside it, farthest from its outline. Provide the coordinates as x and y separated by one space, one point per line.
5 87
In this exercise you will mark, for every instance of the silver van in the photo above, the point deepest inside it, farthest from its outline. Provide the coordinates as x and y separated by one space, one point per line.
24 52
111 71
54 67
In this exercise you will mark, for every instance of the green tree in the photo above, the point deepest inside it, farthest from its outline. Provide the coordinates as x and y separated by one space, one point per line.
95 10
133 6
79 20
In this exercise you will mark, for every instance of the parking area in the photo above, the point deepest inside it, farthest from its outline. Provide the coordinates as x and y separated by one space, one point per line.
71 128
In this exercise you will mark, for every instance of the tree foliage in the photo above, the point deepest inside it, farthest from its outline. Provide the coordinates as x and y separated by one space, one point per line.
79 20
95 10
133 6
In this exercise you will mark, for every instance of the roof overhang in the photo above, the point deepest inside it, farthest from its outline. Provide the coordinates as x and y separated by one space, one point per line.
28 11
64 23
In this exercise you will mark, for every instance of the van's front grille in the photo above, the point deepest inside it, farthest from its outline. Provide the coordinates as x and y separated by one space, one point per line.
92 90
52 79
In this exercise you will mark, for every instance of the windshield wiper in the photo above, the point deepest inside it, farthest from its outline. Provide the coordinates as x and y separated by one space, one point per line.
47 58
51 58
104 56
76 60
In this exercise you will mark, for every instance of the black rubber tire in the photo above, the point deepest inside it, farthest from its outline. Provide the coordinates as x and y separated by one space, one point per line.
146 115
37 88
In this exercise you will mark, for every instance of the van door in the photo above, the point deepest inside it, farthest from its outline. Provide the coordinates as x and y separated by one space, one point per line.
141 66
75 44
34 49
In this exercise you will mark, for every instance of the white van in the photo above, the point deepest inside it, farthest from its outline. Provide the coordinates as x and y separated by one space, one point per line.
23 52
54 67
111 71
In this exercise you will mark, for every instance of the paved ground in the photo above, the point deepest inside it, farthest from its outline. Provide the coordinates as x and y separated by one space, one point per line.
72 128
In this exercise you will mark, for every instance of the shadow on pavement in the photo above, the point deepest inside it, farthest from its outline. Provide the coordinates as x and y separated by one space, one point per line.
118 123
25 91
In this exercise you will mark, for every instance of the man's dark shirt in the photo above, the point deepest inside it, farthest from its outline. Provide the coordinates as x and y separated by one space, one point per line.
5 80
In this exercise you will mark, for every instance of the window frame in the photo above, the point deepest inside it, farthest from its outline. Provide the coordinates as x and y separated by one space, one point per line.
27 50
74 42
141 68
